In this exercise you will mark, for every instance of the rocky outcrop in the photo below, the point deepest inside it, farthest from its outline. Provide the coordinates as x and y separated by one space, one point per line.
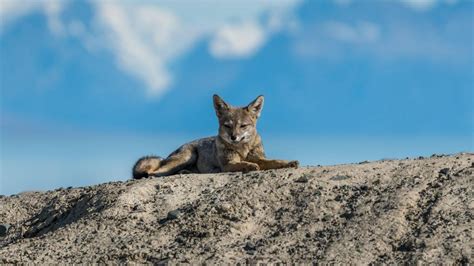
389 211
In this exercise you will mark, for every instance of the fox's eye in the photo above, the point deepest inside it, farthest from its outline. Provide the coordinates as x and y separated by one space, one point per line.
227 126
244 126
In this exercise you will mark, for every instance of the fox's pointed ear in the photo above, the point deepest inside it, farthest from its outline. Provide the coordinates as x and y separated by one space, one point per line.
219 105
256 106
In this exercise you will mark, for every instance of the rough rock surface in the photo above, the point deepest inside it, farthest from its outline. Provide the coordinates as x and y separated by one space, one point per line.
389 211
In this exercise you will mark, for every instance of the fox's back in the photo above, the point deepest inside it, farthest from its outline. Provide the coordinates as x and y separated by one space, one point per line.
206 152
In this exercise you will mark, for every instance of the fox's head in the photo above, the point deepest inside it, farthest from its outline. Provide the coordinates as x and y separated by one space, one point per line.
237 124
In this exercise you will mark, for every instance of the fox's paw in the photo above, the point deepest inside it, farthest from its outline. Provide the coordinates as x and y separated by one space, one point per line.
250 167
293 164
155 174
185 172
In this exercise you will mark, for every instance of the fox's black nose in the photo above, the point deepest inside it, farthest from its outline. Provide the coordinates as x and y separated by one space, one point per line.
233 138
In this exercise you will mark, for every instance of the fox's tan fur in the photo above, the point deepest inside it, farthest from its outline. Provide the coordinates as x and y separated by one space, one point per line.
237 148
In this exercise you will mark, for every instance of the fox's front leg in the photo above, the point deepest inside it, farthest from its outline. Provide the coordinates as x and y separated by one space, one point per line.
240 167
257 156
266 164
231 162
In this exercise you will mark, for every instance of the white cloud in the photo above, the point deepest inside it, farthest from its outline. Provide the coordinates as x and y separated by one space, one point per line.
360 32
147 36
233 41
12 10
417 5
76 28
396 38
53 11
343 2
425 5
335 39
133 35
420 5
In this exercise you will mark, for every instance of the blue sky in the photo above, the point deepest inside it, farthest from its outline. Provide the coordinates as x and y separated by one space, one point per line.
89 86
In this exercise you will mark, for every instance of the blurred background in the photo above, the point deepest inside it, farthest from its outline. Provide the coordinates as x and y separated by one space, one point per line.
87 87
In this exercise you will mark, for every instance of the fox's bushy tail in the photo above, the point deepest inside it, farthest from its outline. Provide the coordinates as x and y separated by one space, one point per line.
145 166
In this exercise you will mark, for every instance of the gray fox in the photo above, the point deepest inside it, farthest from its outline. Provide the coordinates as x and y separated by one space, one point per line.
237 148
